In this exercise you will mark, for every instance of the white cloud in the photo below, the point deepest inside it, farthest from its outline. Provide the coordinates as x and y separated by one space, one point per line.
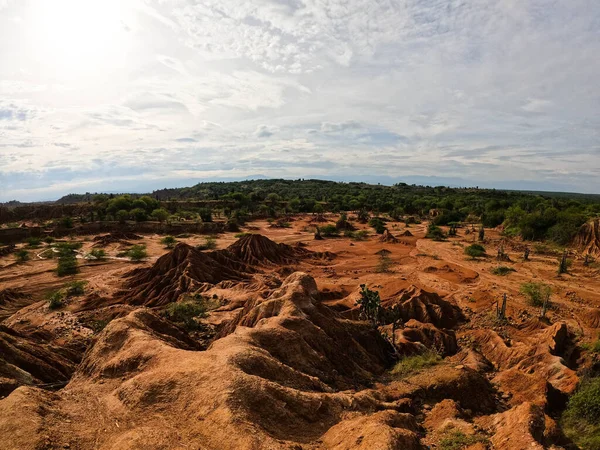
299 88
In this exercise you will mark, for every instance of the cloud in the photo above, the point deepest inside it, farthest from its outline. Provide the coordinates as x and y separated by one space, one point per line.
345 89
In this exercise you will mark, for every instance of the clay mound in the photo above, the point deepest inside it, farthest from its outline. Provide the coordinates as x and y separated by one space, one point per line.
256 249
388 237
406 234
180 271
426 307
285 379
11 300
591 317
117 237
26 362
416 337
587 240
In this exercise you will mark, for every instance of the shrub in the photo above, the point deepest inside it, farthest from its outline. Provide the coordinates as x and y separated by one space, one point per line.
329 231
56 300
98 254
536 293
475 251
48 239
137 252
370 304
581 419
75 288
378 224
412 364
67 265
66 222
184 313
22 255
359 235
457 440
502 270
34 242
210 243
434 232
168 241
160 214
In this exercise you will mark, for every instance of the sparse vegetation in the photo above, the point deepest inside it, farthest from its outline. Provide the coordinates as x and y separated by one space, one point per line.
186 312
34 242
378 224
434 232
168 241
210 243
581 419
75 288
537 293
502 270
370 304
22 255
98 253
329 230
56 300
358 235
475 251
454 439
412 364
137 253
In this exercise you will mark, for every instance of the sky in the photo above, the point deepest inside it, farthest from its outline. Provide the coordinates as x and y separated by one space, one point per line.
136 95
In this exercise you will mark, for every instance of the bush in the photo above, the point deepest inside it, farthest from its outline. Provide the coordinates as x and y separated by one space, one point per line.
22 255
359 235
137 253
67 265
184 313
168 241
536 293
160 214
581 419
56 300
412 364
329 231
502 270
34 242
457 440
475 251
434 232
378 225
75 288
210 243
98 254
139 214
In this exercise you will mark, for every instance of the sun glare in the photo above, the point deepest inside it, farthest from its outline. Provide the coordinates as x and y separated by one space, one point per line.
73 38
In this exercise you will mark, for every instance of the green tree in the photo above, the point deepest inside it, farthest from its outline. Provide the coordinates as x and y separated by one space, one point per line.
160 214
122 215
139 214
370 304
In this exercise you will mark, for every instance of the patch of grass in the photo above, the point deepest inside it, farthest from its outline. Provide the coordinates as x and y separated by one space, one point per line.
185 313
98 254
137 253
592 346
457 440
412 364
502 270
34 242
22 255
210 243
536 293
75 288
241 235
581 419
475 251
56 300
329 231
358 235
168 241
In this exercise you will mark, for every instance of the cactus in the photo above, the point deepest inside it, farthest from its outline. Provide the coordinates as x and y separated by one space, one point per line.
526 254
562 265
481 233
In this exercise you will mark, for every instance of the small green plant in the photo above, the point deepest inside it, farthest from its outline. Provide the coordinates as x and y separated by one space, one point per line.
98 254
56 300
241 235
137 253
34 242
593 347
502 270
370 304
168 241
358 235
581 419
384 264
412 364
454 439
185 313
537 294
67 265
434 232
329 230
22 255
210 243
475 251
75 288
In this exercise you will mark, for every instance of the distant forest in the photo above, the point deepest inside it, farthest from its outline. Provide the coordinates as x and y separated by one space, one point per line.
532 215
